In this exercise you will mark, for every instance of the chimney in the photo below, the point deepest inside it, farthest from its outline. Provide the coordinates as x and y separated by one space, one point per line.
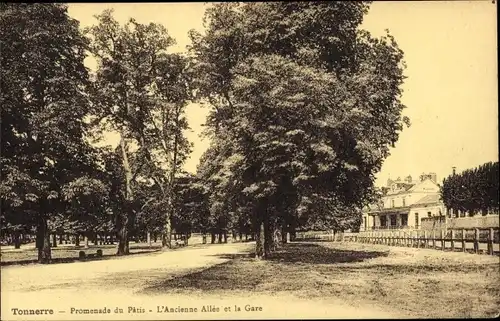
433 177
454 169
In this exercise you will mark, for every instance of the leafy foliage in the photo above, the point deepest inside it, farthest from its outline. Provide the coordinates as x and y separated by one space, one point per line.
305 108
141 91
474 190
44 104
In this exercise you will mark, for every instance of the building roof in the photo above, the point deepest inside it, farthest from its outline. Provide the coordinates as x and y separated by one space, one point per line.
428 199
400 188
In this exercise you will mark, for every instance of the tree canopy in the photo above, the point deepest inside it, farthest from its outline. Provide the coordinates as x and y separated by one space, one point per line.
44 103
141 91
474 190
304 107
306 104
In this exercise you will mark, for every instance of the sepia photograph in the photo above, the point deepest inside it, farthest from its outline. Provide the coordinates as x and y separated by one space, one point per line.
249 160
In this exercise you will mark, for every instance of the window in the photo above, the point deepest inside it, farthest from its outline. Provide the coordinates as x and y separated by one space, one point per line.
392 202
404 202
393 220
429 214
404 219
383 220
416 220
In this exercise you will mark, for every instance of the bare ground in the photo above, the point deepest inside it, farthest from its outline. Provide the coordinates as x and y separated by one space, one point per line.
414 282
302 280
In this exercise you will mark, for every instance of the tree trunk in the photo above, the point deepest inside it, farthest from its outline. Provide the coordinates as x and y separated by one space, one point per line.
17 240
246 237
175 236
219 238
155 237
54 240
43 242
284 235
123 245
167 235
77 240
240 236
259 237
213 238
268 238
276 238
225 237
86 240
167 241
204 238
60 239
274 235
148 238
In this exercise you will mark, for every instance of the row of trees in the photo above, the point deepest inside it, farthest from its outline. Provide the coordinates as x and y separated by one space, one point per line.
54 111
474 190
304 106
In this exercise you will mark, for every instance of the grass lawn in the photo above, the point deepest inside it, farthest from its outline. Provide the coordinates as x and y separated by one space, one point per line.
419 283
69 253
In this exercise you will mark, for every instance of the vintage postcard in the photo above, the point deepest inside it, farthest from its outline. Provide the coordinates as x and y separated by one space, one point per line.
252 160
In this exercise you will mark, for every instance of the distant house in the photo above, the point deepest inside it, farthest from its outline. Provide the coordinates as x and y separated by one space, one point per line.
404 204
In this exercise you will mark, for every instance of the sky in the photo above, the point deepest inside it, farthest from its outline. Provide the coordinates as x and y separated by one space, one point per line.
450 91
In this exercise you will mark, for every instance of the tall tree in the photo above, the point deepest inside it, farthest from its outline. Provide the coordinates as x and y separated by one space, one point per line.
141 92
473 190
44 102
309 102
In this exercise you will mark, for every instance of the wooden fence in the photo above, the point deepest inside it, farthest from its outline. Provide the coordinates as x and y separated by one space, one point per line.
478 240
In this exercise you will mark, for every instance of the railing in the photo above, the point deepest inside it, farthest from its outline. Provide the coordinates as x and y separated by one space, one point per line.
464 240
320 236
392 227
474 240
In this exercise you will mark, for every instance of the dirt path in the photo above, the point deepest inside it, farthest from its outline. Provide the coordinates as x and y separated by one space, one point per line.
69 289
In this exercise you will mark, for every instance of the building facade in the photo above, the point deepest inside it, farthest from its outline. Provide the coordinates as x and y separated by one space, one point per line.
404 204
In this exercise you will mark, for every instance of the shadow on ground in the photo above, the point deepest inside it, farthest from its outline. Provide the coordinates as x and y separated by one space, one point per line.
417 286
316 254
244 272
313 254
76 259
